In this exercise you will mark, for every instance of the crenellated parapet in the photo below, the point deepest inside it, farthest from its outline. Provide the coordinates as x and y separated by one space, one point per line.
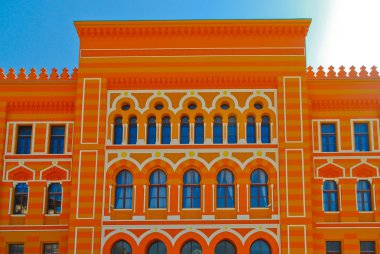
42 76
352 73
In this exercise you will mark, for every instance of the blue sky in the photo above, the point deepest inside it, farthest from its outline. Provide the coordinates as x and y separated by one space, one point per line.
40 33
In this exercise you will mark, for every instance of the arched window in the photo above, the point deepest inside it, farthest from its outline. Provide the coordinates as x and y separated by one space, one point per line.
251 130
199 130
121 247
157 189
157 247
191 247
118 131
225 189
185 130
166 130
20 204
259 188
132 132
151 138
218 130
260 247
191 189
265 129
364 196
232 130
225 247
330 196
124 190
54 198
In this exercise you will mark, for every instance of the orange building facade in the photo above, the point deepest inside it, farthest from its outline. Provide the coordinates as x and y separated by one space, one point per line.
190 137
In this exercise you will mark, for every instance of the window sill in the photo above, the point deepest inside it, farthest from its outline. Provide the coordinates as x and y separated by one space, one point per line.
331 212
52 215
366 211
157 209
18 215
226 209
191 209
122 209
259 208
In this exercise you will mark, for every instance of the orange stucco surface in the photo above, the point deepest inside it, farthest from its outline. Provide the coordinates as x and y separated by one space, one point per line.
177 63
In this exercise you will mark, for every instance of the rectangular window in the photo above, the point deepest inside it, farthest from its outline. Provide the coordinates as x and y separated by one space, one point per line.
24 137
367 247
51 248
361 137
57 139
328 137
16 249
333 247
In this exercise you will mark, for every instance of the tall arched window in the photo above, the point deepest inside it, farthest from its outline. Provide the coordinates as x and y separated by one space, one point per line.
199 130
20 204
265 130
330 196
260 247
191 189
185 130
157 189
118 131
54 198
251 130
225 189
191 247
166 130
151 133
259 188
364 195
157 247
121 247
132 132
218 130
225 247
232 130
124 190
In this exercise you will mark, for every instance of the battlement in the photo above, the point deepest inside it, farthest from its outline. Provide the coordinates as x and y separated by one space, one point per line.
43 75
342 74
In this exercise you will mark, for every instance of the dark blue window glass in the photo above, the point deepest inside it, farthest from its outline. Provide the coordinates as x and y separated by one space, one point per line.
54 198
57 139
152 131
364 196
260 247
124 190
191 247
225 189
251 130
259 188
333 247
185 130
157 247
157 189
191 189
328 137
232 130
24 139
132 131
121 247
118 131
20 199
166 131
225 247
199 130
367 247
330 196
16 248
265 130
361 137
218 130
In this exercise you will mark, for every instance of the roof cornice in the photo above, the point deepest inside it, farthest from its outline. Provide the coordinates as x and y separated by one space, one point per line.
181 28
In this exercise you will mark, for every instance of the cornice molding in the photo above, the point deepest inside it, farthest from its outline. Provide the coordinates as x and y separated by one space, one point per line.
339 104
41 106
193 28
342 74
42 76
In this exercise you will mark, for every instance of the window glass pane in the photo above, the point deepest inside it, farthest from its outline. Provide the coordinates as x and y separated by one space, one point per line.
24 139
51 248
199 130
218 130
151 139
225 247
166 131
118 131
333 247
251 130
328 136
132 132
265 130
260 247
121 247
16 249
20 199
367 247
57 139
185 130
157 247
